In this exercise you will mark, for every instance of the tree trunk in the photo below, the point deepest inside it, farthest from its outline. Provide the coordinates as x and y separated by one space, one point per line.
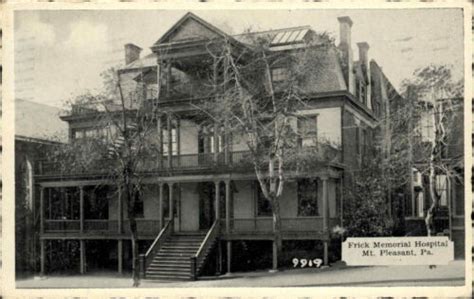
275 200
434 202
133 228
432 179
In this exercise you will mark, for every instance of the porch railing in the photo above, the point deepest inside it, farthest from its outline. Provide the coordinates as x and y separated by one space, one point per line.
145 227
295 224
147 258
53 225
100 225
199 258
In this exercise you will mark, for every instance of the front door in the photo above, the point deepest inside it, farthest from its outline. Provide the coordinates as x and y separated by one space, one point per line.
206 205
176 205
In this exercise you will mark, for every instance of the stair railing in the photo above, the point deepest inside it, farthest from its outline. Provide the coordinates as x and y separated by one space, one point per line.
206 244
147 258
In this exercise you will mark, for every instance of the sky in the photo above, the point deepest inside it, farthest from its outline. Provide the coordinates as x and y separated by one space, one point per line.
60 54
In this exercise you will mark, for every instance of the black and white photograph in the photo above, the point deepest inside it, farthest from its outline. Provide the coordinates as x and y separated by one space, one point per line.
239 147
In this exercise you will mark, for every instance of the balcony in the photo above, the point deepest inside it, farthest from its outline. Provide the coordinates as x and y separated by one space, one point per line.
239 161
176 163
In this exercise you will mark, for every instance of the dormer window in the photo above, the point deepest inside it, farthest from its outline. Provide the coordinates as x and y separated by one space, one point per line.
279 75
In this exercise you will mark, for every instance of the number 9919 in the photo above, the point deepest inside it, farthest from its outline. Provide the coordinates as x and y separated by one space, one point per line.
307 263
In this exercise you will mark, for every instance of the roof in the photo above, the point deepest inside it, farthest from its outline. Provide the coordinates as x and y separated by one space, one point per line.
281 36
39 121
149 60
187 17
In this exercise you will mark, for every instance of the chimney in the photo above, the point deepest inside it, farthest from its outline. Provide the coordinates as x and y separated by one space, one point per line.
345 24
363 54
132 53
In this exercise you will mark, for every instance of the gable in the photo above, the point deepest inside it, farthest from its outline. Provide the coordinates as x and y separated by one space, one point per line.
190 27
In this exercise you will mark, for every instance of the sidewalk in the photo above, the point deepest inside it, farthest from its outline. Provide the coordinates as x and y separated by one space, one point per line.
337 275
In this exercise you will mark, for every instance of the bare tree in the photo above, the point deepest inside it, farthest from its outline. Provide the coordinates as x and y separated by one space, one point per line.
123 143
249 103
434 96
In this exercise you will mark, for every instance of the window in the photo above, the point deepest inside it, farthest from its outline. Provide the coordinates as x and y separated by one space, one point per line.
441 189
78 134
308 197
264 206
206 142
307 130
357 140
279 75
139 206
458 197
419 203
89 133
426 126
174 141
96 202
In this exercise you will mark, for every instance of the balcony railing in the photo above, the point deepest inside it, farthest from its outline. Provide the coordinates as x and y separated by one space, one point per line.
179 162
239 160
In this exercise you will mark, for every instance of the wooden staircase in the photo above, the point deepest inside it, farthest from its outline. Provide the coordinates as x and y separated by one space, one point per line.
173 259
178 256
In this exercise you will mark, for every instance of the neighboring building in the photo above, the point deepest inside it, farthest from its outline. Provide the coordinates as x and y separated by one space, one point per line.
38 130
449 216
195 190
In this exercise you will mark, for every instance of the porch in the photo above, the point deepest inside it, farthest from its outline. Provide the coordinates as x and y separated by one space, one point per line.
192 205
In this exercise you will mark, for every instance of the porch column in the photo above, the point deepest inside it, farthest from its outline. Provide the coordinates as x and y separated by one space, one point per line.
216 142
42 257
42 210
119 212
325 219
325 204
81 208
160 207
178 141
274 256
227 206
226 145
325 253
170 145
120 256
171 201
168 77
217 205
160 141
229 256
227 224
219 258
82 264
341 200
